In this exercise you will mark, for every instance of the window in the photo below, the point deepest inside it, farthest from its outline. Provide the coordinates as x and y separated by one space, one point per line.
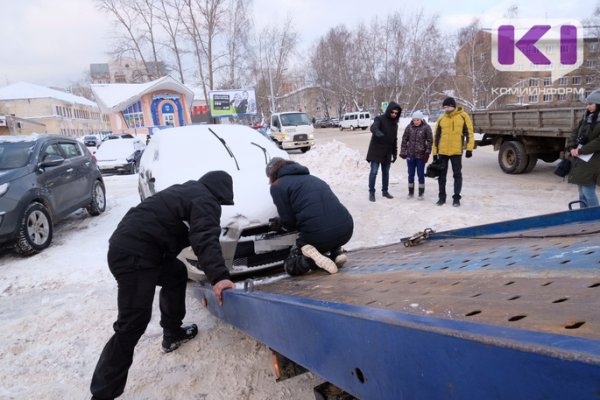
51 149
562 97
593 47
533 99
563 81
70 149
547 82
590 79
533 82
591 63
134 118
576 80
547 98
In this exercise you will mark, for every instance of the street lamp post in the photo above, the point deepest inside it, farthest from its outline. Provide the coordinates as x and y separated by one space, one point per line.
272 96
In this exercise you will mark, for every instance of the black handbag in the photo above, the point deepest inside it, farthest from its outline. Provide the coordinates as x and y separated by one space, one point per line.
434 169
563 168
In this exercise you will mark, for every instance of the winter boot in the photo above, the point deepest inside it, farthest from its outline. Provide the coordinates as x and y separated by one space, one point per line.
441 201
456 200
338 257
372 197
387 195
320 260
172 341
411 190
421 191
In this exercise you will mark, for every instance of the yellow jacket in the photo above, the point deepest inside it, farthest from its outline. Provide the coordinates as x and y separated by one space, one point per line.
451 132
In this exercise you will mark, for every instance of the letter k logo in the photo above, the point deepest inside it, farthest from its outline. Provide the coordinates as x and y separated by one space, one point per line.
506 44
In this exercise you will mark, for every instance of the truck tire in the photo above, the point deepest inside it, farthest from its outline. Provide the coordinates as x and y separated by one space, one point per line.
305 149
530 163
512 157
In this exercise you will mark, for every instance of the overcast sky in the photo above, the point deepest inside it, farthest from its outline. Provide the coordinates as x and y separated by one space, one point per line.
52 42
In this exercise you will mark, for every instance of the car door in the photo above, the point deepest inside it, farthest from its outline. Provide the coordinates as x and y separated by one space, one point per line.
55 181
81 168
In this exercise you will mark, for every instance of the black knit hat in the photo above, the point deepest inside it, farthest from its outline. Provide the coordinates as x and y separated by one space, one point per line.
449 101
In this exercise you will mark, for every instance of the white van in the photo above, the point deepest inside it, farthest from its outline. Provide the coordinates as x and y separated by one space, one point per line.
355 120
292 130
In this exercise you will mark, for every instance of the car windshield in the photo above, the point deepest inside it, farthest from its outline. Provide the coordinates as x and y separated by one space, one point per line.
294 119
15 154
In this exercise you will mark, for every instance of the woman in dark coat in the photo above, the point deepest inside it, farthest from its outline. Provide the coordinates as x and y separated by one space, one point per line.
415 149
583 143
306 203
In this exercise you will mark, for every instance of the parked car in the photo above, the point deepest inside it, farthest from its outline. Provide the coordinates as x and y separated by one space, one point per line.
120 156
91 140
180 154
44 178
325 123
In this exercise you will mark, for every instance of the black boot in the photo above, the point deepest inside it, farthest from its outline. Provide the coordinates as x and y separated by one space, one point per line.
371 196
441 201
411 190
456 200
421 191
387 195
172 340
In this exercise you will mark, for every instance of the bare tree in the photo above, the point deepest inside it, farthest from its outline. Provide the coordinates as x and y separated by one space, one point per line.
169 16
239 26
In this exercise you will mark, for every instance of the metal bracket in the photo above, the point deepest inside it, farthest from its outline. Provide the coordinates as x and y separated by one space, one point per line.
418 237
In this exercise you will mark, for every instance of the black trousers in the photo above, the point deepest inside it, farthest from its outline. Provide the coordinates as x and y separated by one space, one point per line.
456 162
137 279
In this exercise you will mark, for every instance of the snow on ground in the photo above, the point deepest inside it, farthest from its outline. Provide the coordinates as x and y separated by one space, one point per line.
57 308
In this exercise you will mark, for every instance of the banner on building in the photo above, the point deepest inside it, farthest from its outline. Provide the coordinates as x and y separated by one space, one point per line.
232 103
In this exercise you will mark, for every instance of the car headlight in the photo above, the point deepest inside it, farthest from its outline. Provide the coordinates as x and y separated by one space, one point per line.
3 188
311 136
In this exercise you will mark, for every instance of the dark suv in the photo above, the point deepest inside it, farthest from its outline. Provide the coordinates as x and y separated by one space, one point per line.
44 178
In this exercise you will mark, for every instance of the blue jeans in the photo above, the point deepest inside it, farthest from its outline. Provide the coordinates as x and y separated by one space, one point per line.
385 176
587 195
418 165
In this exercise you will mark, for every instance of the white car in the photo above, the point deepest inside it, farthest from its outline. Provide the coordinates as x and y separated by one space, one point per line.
120 156
177 155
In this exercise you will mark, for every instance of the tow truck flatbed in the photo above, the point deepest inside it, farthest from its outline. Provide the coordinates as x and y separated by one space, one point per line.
499 311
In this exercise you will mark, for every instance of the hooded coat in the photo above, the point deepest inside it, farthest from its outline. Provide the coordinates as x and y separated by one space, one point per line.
307 204
451 131
582 172
157 228
383 146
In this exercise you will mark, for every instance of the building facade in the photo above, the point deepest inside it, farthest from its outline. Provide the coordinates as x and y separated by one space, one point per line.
141 108
126 70
29 108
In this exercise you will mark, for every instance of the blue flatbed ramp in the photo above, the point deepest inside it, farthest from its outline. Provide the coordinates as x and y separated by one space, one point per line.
500 311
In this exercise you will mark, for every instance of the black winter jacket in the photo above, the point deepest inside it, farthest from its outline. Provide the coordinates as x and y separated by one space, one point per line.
156 228
307 204
384 139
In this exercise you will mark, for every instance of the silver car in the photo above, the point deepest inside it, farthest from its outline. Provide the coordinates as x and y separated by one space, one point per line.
180 154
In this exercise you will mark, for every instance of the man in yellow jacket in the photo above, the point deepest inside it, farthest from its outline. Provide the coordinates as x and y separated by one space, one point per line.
453 133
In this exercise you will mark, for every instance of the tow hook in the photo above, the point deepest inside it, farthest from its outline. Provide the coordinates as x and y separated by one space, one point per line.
418 237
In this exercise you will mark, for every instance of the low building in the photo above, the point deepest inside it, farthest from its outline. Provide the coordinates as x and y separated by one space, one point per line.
138 108
33 108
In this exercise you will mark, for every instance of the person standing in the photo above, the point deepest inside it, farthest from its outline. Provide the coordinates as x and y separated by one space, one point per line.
143 253
452 130
307 204
383 148
415 148
584 147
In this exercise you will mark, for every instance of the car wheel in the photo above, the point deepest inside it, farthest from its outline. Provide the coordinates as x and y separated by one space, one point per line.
341 128
35 232
305 149
98 203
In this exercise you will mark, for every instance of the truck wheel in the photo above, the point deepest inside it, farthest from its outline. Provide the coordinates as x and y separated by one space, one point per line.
35 233
305 149
512 157
341 128
530 164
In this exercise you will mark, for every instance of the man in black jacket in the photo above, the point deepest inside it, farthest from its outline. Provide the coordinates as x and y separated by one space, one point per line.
383 148
143 254
307 204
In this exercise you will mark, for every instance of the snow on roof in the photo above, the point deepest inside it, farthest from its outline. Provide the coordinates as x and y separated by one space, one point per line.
26 90
113 97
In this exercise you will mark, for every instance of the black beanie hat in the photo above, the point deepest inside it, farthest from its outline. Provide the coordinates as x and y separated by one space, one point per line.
449 101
